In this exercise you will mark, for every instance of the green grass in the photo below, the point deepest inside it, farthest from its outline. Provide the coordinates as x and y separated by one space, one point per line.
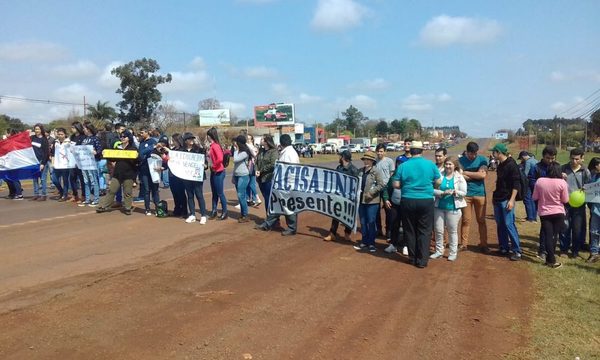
565 319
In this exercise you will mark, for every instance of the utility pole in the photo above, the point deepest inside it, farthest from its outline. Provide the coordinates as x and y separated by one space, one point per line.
84 108
559 136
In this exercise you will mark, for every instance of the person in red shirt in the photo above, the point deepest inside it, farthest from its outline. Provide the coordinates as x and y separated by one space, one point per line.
217 174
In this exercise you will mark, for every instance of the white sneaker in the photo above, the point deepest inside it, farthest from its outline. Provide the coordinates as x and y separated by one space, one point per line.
203 220
390 249
405 251
452 258
238 206
190 219
436 255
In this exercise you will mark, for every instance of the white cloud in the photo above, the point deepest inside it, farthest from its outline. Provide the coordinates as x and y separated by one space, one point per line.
280 89
80 69
557 76
74 93
558 106
236 108
420 103
304 98
188 81
32 51
197 63
338 15
260 72
361 102
371 84
106 79
445 30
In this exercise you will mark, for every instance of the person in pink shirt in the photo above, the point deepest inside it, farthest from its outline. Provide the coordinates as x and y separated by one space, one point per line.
551 193
217 174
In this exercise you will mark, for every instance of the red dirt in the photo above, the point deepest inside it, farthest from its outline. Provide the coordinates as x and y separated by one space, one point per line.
108 286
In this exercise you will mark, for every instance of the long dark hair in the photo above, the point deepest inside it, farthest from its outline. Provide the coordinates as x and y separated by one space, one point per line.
242 146
91 128
593 163
41 128
269 140
213 134
78 127
177 141
554 171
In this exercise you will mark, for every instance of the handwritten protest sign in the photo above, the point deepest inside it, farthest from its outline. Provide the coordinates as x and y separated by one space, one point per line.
63 156
298 188
84 157
154 164
592 192
186 165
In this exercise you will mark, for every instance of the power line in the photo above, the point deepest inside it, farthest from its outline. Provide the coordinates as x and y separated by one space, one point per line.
584 103
39 101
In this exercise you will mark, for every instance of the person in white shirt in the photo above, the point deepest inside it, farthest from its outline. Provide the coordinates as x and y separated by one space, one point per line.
289 155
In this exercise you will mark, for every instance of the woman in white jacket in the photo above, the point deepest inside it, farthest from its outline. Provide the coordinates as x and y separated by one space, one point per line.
449 199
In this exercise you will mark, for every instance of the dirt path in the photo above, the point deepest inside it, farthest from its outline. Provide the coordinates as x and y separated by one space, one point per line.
227 292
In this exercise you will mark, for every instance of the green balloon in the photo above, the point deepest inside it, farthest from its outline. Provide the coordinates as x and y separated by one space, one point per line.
577 198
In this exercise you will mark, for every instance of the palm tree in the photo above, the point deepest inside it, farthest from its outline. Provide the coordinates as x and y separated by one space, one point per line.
102 111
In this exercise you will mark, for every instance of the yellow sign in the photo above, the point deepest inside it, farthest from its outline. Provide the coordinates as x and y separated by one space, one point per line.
119 154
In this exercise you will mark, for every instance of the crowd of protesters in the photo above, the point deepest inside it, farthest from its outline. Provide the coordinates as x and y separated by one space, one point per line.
423 202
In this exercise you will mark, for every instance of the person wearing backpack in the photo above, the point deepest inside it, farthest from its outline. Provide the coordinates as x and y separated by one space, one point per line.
576 175
508 183
527 163
217 174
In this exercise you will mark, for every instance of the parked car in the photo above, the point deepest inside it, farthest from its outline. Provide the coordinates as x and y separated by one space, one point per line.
372 147
355 148
329 149
343 148
390 147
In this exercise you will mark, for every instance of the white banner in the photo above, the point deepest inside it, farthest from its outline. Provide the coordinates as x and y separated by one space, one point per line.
298 188
84 157
217 117
186 165
63 157
155 164
592 192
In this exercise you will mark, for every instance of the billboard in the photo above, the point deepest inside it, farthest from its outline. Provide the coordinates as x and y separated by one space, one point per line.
216 117
274 115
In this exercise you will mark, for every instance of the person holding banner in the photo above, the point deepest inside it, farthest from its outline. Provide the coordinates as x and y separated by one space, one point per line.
192 187
124 174
146 148
91 177
176 184
373 182
289 155
252 195
242 156
63 162
594 168
551 193
345 167
41 148
217 174
265 164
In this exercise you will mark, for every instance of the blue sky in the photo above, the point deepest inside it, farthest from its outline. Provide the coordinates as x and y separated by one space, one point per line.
482 65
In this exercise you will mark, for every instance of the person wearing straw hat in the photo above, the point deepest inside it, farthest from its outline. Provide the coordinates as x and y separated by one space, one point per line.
371 186
417 178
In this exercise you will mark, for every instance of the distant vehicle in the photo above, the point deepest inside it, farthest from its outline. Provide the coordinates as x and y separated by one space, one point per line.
343 148
329 148
390 147
317 148
372 147
356 148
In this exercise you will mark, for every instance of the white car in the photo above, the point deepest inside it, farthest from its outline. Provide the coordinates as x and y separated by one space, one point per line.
355 148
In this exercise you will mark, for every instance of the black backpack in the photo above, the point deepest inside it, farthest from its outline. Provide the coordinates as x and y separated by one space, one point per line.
162 209
524 182
226 157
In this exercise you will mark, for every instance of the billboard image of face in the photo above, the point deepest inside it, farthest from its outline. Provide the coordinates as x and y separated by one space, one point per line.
273 115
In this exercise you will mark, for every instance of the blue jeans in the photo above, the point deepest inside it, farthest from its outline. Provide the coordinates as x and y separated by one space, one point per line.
147 187
91 184
594 234
265 189
43 179
217 181
530 206
62 181
179 196
194 188
165 177
574 235
506 228
101 172
368 229
14 187
242 185
251 188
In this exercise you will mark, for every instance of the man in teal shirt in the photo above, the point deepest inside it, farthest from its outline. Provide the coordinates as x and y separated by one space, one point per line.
416 178
474 170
